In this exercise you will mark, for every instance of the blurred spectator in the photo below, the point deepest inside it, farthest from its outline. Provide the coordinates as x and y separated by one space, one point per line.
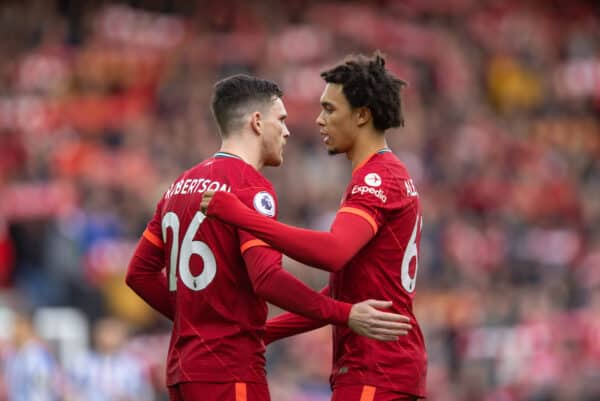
109 372
30 369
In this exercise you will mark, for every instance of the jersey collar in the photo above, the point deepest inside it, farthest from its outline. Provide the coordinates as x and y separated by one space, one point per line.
226 154
380 151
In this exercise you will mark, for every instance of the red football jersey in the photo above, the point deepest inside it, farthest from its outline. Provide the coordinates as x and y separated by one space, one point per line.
218 320
382 192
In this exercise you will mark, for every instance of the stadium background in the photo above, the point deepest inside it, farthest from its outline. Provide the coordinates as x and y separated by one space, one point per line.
102 104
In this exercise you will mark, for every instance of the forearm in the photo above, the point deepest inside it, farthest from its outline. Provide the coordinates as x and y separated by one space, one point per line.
325 250
280 288
289 324
145 278
285 291
152 288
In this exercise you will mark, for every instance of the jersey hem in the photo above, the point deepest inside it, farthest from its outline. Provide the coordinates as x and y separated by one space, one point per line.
399 389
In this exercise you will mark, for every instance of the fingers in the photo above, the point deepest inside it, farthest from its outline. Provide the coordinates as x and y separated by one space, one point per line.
392 317
390 332
203 206
378 304
206 198
368 320
375 303
391 325
384 338
385 335
378 328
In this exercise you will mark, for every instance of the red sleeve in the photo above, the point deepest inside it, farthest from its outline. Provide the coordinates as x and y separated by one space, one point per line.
289 324
280 288
325 250
146 278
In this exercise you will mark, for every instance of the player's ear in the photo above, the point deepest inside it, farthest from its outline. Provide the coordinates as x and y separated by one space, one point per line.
256 122
362 116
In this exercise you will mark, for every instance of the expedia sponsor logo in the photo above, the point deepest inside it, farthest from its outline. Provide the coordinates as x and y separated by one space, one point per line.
363 189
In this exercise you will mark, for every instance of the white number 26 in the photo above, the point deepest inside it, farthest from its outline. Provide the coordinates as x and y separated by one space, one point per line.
188 248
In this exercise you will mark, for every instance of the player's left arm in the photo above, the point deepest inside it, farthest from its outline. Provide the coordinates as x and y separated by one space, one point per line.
325 250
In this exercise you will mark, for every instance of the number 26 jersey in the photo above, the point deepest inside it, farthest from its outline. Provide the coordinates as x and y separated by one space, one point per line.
218 321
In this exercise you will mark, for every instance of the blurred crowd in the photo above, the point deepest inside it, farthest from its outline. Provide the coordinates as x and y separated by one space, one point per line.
104 103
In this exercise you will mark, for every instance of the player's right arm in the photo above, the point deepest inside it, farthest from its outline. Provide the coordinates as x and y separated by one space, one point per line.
329 251
145 272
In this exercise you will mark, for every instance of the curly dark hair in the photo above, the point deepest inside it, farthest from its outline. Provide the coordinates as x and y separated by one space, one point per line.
366 83
239 94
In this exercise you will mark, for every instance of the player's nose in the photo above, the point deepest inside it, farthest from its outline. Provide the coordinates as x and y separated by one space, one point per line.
320 121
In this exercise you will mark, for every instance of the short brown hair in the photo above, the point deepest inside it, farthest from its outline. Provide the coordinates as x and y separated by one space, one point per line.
234 95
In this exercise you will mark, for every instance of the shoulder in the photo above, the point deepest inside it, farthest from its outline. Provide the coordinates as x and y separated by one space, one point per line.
389 163
253 178
381 177
382 170
257 192
262 198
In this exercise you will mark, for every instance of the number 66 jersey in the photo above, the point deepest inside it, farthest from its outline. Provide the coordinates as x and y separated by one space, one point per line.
382 192
218 319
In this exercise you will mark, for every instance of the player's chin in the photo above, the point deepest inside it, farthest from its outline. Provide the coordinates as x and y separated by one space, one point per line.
275 162
332 150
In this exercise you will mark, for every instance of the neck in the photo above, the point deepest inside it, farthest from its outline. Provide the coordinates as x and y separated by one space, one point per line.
248 151
365 145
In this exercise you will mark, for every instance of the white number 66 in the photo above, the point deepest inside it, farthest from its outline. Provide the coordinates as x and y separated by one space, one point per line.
411 252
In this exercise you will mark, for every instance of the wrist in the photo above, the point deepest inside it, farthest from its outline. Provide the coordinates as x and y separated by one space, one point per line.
344 310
